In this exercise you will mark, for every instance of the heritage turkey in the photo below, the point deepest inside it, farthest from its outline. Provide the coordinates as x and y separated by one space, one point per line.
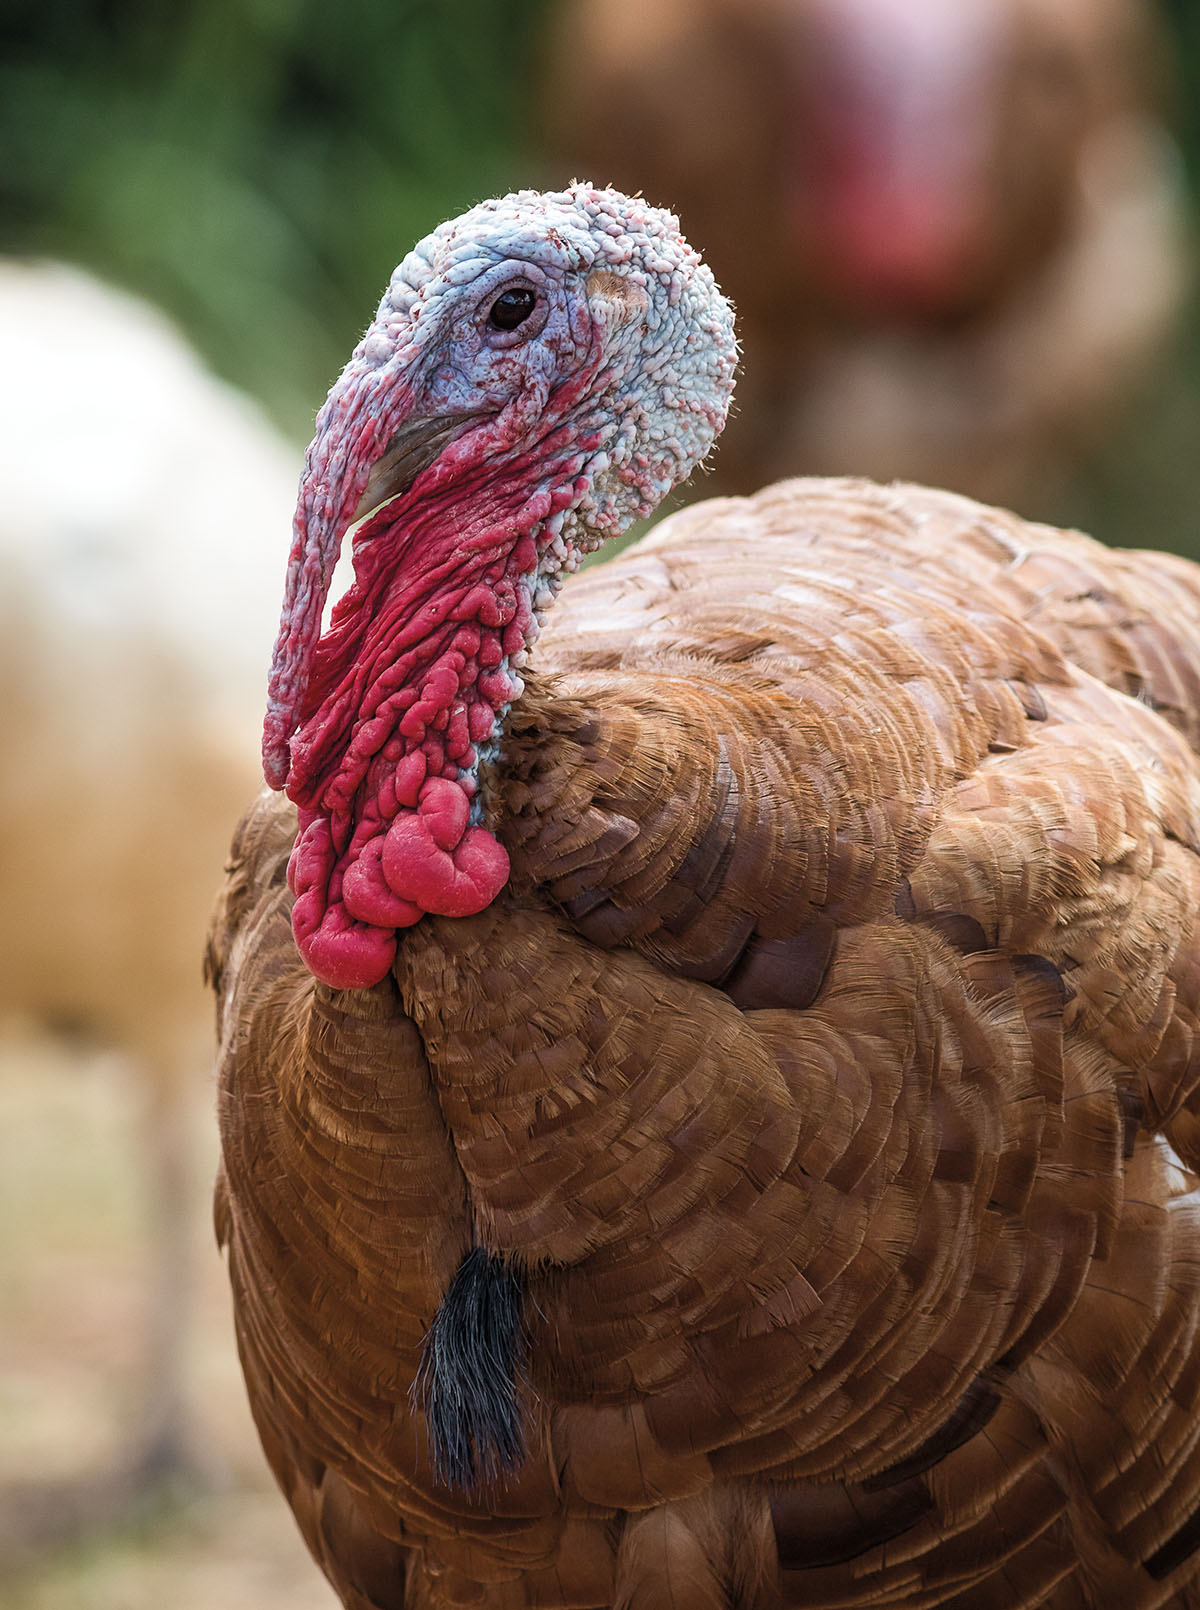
953 230
694 1088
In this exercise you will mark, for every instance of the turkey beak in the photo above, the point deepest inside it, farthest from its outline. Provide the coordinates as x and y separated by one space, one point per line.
341 485
412 449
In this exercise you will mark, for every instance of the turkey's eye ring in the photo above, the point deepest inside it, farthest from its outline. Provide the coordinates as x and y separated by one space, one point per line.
512 307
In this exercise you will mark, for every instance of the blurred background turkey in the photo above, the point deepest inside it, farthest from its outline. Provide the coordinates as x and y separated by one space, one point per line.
978 295
952 230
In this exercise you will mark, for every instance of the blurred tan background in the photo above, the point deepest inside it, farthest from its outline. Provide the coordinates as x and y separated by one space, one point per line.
959 234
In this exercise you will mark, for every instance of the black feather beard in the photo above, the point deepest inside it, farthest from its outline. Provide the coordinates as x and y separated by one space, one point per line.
471 1367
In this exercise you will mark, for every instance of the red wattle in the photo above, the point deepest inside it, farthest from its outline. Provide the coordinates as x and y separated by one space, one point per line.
367 896
412 677
395 880
444 810
428 862
445 883
340 952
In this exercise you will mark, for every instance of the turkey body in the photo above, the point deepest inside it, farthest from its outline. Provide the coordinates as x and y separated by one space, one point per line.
811 1078
953 232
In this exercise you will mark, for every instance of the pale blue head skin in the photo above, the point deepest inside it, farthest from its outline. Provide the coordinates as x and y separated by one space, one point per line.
621 378
662 329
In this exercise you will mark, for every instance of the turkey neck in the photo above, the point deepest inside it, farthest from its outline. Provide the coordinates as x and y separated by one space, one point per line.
409 691
439 590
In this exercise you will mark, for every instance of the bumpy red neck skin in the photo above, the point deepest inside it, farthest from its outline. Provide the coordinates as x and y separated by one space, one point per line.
411 681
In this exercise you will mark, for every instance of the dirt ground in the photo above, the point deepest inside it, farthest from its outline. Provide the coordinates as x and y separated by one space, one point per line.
236 1552
72 1324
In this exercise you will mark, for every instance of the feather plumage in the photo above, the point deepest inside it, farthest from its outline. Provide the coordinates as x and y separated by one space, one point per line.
853 911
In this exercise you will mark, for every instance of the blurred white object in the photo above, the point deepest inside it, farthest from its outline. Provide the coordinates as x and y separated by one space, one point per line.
144 529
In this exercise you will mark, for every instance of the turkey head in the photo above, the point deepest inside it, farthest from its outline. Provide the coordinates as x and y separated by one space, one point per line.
541 372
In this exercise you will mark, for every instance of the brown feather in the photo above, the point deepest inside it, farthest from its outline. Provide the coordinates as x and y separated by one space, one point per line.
810 1077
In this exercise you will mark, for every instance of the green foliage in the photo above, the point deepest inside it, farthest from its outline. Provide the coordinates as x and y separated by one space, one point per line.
1144 488
1184 19
257 166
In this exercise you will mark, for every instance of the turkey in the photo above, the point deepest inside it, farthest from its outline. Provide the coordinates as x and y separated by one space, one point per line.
140 579
696 1079
953 230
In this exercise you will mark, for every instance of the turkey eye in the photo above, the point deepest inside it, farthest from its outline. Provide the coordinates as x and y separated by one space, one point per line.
512 308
